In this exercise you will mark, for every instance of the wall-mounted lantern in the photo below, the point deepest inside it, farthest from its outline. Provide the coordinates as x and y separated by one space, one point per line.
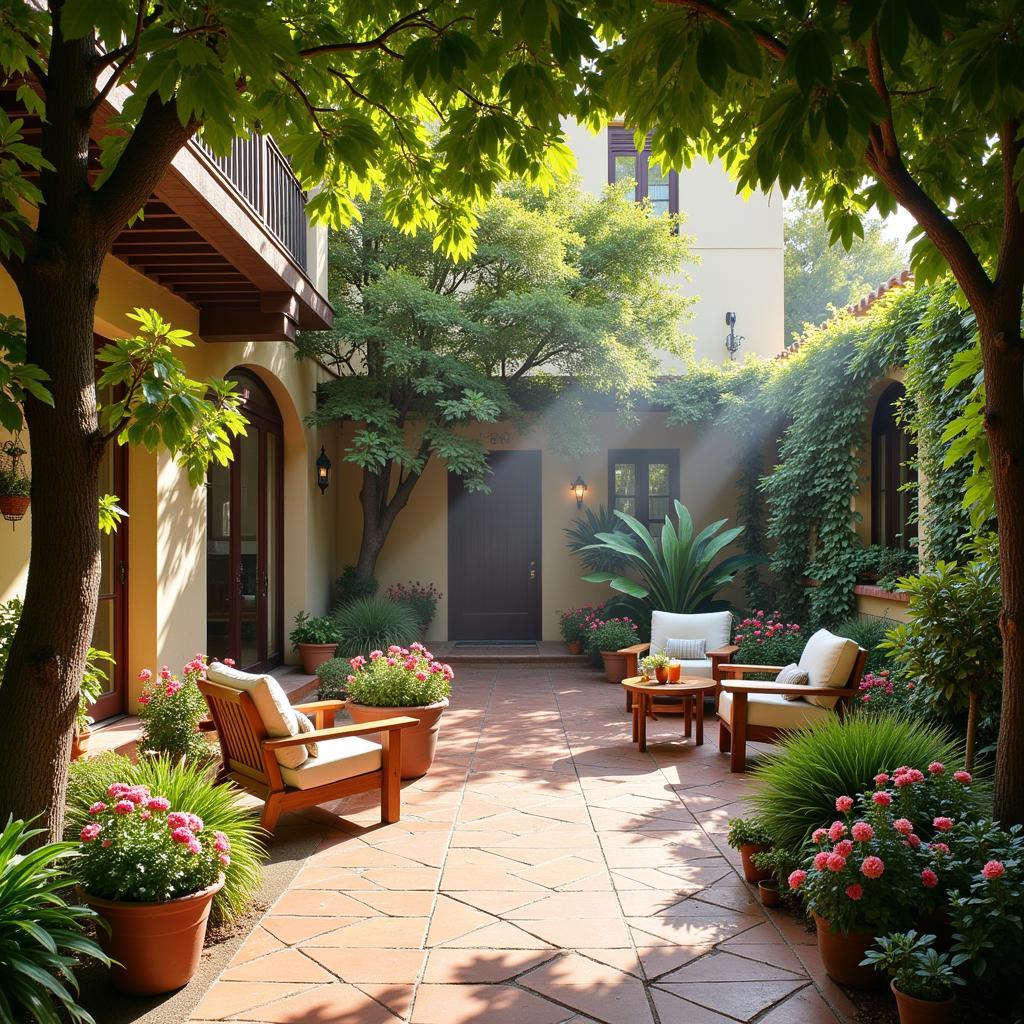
323 470
732 339
578 488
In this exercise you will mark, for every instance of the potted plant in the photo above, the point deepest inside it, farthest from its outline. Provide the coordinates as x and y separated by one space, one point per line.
923 979
574 626
402 681
778 863
750 837
15 484
170 710
316 640
150 871
655 666
606 640
94 679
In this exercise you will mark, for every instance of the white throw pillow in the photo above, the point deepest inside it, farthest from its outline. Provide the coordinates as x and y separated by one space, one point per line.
828 661
306 725
279 717
686 650
792 675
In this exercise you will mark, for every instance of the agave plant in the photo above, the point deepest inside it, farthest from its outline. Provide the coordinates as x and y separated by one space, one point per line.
683 574
585 530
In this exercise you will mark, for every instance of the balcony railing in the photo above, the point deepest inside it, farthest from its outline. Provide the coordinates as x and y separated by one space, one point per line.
261 174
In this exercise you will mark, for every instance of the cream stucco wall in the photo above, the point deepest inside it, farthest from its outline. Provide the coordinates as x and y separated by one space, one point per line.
739 242
417 547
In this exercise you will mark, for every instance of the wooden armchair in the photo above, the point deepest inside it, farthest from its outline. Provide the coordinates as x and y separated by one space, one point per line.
346 764
749 710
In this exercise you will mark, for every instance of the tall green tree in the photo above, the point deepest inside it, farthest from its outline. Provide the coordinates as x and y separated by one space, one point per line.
866 105
433 103
821 275
563 294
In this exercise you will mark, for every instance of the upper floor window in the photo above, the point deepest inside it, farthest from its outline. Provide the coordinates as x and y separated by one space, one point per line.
661 188
892 456
644 483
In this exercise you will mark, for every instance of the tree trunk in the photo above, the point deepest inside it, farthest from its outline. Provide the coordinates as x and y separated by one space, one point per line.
972 730
1003 353
379 514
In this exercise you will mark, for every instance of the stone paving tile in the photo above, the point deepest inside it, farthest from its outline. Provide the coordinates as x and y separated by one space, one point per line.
543 872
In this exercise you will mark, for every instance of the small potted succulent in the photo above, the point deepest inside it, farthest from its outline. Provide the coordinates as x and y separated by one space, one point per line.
750 837
402 681
94 679
923 979
316 640
655 666
151 872
606 640
15 484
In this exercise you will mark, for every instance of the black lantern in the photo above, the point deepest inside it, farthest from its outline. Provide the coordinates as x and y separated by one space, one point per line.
732 339
579 488
323 470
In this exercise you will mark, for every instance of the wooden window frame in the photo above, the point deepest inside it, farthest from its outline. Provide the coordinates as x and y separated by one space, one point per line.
620 143
887 436
642 459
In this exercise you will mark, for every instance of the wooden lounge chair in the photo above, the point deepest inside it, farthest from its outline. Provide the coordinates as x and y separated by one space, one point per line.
750 710
715 628
252 755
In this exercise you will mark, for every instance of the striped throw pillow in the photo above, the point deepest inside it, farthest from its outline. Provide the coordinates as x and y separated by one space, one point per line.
792 675
686 650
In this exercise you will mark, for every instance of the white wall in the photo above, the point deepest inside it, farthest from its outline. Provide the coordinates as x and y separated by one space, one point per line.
739 243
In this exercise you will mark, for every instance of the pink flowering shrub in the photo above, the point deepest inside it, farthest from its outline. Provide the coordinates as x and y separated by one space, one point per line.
882 693
400 677
610 635
574 623
170 709
137 849
764 639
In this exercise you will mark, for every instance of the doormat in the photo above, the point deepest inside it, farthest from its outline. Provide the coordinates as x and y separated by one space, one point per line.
496 643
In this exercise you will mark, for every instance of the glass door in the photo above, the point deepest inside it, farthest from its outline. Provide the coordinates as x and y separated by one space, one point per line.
244 550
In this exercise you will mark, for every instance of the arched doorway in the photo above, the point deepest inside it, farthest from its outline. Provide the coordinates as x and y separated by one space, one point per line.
244 547
893 455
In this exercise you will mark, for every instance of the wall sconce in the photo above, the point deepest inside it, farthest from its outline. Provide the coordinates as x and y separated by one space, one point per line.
732 339
323 470
578 488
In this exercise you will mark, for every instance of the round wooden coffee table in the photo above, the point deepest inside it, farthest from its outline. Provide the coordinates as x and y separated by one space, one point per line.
690 688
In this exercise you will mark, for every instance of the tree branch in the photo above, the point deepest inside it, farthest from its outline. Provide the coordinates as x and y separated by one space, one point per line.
769 43
1010 261
407 21
115 75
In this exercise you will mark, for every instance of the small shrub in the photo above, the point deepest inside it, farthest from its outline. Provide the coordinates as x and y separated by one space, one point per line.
422 600
188 786
917 968
583 540
610 635
321 629
333 676
799 779
748 832
574 624
884 694
399 678
170 710
350 586
373 623
869 632
762 638
41 934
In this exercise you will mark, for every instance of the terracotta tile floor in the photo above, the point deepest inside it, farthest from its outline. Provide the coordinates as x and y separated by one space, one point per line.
543 872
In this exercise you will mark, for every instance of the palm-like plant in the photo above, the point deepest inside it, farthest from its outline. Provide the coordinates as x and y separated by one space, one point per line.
682 575
583 533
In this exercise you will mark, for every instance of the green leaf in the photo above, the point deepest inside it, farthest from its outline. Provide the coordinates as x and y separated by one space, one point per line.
862 16
711 63
894 31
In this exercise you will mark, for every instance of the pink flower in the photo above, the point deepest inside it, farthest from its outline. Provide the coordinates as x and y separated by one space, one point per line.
993 869
357 662
137 794
224 859
819 835
158 803
117 789
844 803
855 891
844 848
221 843
882 798
374 655
124 807
913 841
862 831
929 879
145 675
178 819
194 847
836 831
229 661
90 832
964 778
796 879
904 826
936 768
145 815
173 687
939 848
881 779
943 824
821 860
872 867
106 844
97 808
182 835
835 862
165 673
421 676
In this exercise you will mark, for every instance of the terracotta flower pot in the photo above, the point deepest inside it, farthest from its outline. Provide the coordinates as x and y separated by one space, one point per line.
922 1011
14 506
574 646
747 851
157 944
614 666
841 956
419 742
314 655
768 891
80 744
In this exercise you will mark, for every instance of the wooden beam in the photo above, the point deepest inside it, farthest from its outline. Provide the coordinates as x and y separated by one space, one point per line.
244 325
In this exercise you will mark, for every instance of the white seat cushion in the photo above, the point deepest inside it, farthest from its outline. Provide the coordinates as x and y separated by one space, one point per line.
773 710
828 660
279 718
701 669
338 759
715 628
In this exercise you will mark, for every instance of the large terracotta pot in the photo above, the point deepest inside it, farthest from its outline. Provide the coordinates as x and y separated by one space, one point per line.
841 956
614 666
750 872
922 1011
419 742
157 944
314 655
574 646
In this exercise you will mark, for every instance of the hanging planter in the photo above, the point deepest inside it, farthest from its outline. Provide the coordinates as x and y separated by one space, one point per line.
14 484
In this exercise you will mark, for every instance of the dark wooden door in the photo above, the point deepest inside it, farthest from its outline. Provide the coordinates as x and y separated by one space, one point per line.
494 552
